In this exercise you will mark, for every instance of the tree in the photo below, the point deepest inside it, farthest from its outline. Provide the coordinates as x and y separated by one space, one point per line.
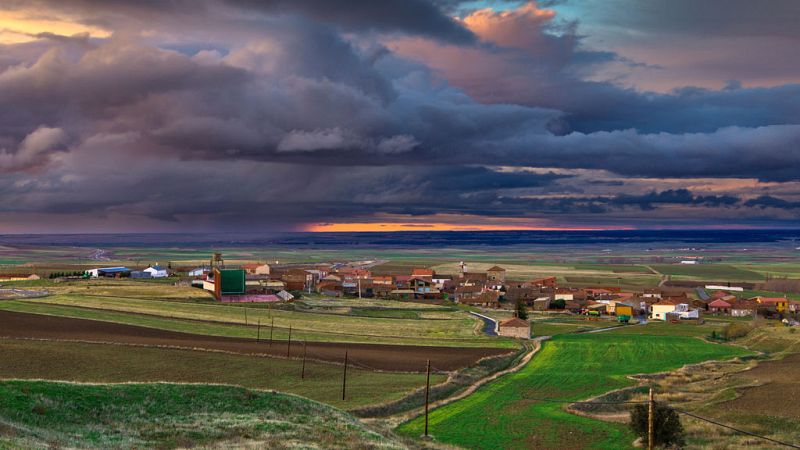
558 304
522 313
666 424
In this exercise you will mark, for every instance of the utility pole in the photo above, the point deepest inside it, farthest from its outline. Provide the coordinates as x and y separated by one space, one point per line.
359 288
303 370
427 395
289 344
258 333
650 428
344 376
245 316
271 327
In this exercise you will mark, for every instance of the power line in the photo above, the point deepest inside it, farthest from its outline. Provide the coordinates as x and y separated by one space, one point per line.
713 422
737 429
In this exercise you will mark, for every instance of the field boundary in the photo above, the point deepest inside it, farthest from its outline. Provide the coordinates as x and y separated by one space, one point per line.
248 325
395 421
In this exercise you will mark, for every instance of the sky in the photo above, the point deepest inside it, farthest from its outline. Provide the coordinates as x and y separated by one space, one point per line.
339 115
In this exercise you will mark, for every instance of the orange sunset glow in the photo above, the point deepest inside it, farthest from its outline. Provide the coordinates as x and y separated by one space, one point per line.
353 227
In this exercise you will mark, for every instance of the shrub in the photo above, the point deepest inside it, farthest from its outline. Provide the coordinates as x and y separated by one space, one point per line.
522 313
736 330
668 430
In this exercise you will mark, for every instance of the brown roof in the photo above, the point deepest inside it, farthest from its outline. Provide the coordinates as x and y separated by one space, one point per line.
496 269
515 322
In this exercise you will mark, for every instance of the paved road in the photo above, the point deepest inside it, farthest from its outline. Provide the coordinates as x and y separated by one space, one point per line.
489 324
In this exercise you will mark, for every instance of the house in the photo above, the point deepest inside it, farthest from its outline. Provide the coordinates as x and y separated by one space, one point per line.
496 275
659 310
382 280
524 294
256 269
440 280
515 327
541 304
422 273
488 299
719 306
545 282
157 271
779 304
140 274
467 292
652 292
199 271
423 287
564 294
743 308
330 287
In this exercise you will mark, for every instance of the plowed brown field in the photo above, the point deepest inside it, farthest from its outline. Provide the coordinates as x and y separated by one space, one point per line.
404 358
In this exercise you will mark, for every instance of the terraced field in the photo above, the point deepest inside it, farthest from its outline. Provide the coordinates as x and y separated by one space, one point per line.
428 327
512 412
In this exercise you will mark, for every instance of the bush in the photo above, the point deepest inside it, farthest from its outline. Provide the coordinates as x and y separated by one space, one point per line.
736 330
522 313
668 430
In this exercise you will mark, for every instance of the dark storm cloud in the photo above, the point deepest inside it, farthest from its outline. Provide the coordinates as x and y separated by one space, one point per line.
296 122
418 17
768 201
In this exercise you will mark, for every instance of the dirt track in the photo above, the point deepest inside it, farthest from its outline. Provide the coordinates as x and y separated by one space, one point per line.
374 356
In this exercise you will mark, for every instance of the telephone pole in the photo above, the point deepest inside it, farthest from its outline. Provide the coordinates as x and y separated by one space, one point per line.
289 344
303 370
427 395
344 376
650 428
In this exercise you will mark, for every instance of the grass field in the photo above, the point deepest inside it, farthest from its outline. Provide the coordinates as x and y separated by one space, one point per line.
54 415
107 363
714 272
454 328
508 413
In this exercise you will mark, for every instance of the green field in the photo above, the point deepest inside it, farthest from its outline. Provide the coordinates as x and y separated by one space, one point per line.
46 415
508 413
108 363
712 272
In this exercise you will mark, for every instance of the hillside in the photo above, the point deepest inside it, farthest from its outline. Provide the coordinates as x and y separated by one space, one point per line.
38 414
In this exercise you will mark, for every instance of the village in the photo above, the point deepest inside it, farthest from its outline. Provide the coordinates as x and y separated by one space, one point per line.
491 289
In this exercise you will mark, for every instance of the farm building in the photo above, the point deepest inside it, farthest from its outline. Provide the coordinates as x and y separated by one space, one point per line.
227 282
113 272
496 274
140 274
157 271
515 327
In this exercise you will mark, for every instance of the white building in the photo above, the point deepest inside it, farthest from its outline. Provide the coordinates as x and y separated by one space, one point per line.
157 272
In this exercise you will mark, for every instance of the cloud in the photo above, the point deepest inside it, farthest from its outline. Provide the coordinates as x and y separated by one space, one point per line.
34 149
302 114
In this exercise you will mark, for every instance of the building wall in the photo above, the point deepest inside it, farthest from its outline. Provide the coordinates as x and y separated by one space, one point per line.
516 332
